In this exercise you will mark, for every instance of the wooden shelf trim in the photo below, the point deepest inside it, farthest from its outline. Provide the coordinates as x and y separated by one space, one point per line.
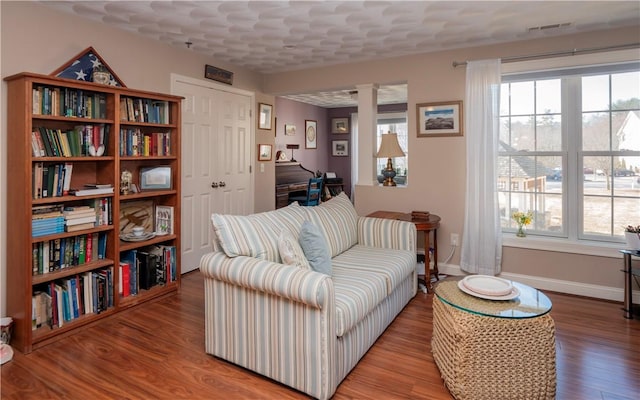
69 271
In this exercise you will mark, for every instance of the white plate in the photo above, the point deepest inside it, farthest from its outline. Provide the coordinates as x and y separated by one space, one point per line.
487 285
514 293
130 237
6 353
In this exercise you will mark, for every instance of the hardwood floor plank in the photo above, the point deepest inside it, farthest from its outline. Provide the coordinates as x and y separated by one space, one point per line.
156 351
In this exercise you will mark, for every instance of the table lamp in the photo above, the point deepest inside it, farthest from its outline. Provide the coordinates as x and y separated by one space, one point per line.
389 148
292 147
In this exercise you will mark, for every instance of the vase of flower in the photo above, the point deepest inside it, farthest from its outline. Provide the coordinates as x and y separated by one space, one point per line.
522 219
632 234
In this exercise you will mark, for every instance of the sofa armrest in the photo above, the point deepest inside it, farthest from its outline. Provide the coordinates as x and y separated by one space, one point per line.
274 319
286 281
387 233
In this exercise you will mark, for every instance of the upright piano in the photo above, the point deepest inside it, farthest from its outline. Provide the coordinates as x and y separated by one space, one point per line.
292 179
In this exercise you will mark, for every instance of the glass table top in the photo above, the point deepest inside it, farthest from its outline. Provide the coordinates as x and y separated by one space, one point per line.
529 303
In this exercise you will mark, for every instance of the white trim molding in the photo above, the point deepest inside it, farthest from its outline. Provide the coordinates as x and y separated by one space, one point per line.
556 285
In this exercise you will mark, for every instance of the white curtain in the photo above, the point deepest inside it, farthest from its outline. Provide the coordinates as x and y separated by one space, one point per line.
482 238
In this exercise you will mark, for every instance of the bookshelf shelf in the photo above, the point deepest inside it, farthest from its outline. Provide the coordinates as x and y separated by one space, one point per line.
69 271
69 135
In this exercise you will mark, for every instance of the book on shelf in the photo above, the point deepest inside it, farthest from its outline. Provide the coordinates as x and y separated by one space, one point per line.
91 192
80 220
131 258
68 102
80 227
125 285
50 180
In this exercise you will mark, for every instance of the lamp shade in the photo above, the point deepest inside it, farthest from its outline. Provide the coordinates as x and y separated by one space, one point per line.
389 147
293 146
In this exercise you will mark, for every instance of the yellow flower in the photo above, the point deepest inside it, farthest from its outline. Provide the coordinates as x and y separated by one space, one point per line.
523 218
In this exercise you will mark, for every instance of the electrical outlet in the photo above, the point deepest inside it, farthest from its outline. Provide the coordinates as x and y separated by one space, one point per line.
454 239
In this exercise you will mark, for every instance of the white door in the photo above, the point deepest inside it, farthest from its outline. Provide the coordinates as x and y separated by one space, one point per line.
216 160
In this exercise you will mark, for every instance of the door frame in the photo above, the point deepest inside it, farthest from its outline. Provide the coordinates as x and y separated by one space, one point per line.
224 88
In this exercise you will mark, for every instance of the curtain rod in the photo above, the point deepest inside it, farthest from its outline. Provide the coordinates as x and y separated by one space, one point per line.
573 52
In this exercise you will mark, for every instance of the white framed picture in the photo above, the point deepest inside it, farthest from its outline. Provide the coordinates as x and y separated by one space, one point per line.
340 148
311 134
164 220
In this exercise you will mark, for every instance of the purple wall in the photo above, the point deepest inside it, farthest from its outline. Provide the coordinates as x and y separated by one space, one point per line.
293 112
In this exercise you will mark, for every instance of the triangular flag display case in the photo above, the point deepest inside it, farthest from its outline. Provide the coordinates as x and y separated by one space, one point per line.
88 66
84 158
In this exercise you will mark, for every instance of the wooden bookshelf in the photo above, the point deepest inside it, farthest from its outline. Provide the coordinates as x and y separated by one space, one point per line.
156 119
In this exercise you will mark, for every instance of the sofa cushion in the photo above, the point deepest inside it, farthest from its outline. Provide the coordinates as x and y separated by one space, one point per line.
337 220
290 250
357 294
315 248
256 235
394 265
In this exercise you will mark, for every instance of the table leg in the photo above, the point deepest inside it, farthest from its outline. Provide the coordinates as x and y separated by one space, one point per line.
435 254
628 299
427 262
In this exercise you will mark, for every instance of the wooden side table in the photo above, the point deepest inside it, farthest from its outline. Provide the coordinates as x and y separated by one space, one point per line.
422 225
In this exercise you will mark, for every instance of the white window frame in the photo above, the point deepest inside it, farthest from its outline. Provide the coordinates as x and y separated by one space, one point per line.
569 244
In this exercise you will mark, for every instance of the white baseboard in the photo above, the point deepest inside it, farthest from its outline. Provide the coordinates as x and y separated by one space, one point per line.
555 285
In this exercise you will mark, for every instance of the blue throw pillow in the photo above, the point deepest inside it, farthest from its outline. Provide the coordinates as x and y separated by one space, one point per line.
315 248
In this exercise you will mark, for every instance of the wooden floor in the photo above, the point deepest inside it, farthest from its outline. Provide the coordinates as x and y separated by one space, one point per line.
156 351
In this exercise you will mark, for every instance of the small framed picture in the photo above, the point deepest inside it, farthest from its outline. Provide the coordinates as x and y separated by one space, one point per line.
155 178
265 113
311 134
439 119
264 152
164 220
339 125
340 148
289 129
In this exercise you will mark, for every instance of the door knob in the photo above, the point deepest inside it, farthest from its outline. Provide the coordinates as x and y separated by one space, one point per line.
214 185
222 184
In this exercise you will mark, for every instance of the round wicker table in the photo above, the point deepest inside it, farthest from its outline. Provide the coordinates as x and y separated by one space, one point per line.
487 349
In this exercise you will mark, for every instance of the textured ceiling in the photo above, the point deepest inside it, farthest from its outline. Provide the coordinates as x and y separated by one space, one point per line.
279 36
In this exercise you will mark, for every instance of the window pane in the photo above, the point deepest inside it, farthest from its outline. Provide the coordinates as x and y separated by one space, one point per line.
626 130
522 98
597 175
548 100
550 219
597 215
504 99
625 90
505 131
595 131
522 133
548 132
625 212
394 123
595 93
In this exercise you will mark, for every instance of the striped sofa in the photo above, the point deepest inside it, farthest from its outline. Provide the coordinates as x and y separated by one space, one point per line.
292 324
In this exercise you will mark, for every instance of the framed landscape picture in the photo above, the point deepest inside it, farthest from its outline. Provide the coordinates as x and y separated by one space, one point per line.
265 112
439 119
264 152
339 125
340 148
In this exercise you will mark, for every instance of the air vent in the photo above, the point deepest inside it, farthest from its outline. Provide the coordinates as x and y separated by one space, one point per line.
548 27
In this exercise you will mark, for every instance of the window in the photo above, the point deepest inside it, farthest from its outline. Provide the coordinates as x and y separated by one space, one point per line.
570 151
394 123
